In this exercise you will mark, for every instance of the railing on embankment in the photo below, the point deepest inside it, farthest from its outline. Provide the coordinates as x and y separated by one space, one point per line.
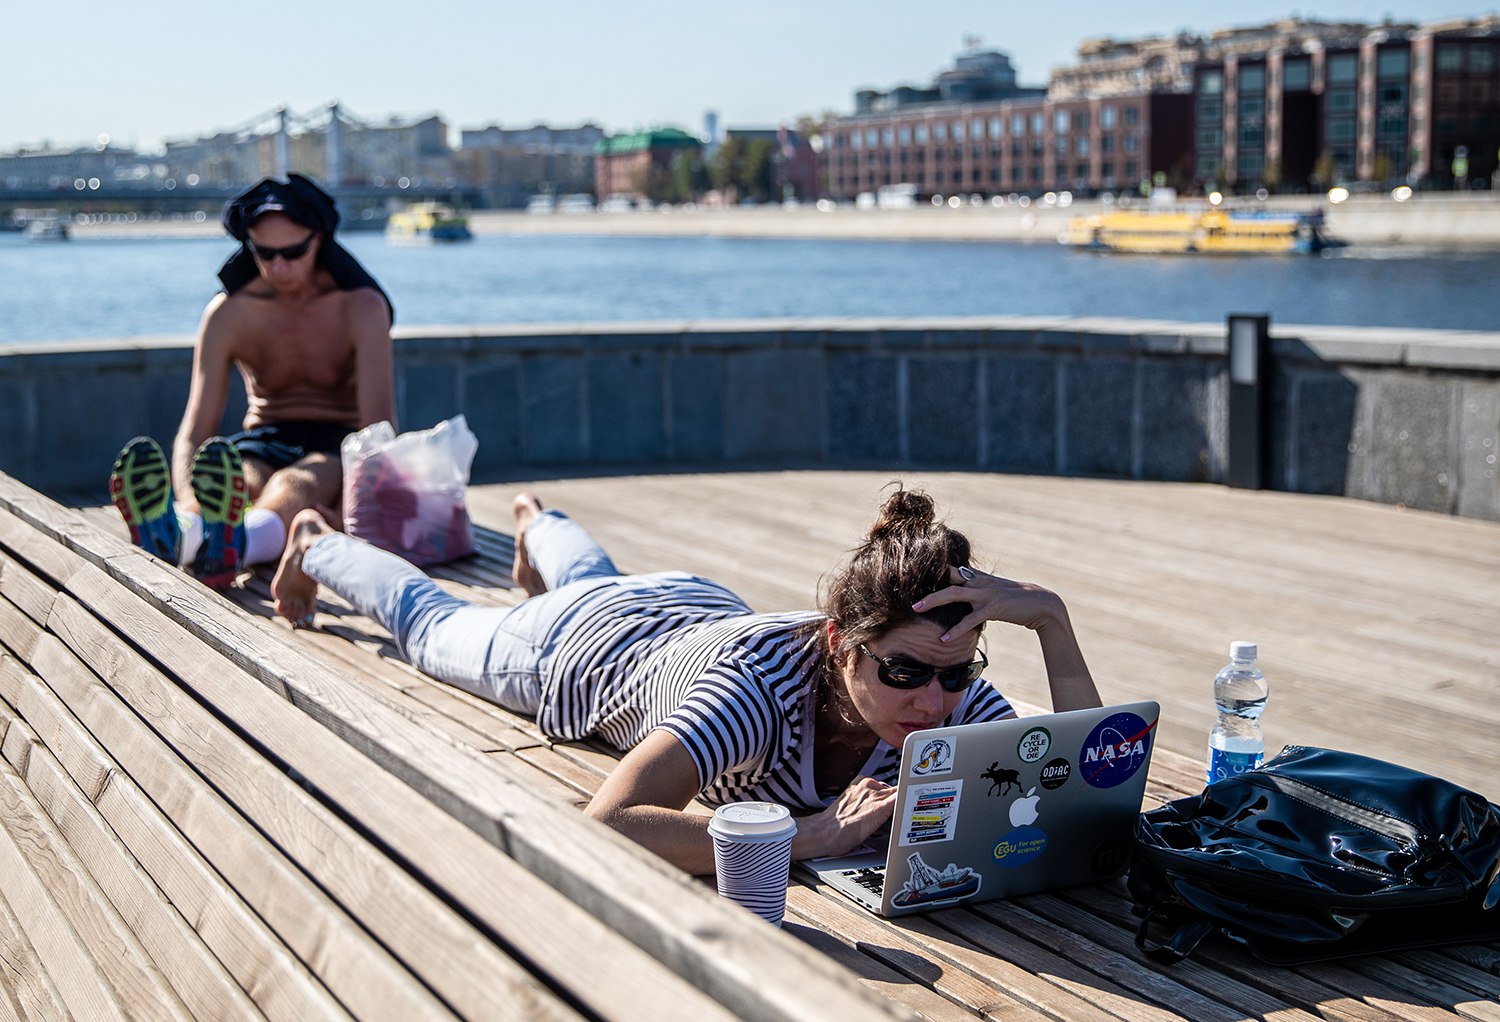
1406 417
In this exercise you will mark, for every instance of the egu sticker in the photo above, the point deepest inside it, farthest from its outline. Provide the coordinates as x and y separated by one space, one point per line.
1115 750
934 757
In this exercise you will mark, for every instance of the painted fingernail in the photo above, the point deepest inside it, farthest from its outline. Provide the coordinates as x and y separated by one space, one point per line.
917 605
947 636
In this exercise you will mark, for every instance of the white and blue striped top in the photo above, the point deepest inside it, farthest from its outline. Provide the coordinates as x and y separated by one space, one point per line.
685 654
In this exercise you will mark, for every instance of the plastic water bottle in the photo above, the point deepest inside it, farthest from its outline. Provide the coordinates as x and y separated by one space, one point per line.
1236 744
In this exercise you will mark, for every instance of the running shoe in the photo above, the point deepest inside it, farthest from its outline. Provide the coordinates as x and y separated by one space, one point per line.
141 487
223 498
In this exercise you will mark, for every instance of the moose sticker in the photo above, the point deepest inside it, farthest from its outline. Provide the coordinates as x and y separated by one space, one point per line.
1001 779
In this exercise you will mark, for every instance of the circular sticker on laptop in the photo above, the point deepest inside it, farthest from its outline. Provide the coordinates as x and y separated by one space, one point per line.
1034 745
1114 750
1056 773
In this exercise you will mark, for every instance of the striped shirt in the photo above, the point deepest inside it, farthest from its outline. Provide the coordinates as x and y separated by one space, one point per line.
737 689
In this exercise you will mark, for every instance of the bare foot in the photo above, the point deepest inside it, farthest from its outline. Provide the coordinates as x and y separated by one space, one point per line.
526 507
295 592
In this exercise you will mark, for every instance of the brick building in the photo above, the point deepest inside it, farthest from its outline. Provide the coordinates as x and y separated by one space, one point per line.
1293 105
626 164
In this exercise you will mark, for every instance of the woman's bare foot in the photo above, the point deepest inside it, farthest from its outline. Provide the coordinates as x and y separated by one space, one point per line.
526 507
295 592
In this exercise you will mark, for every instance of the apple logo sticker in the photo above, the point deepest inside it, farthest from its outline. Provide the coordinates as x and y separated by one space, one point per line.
1025 841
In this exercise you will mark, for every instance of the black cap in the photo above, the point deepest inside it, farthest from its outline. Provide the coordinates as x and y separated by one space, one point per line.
297 197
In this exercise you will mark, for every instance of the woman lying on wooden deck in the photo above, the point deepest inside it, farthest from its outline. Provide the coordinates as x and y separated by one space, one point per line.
708 699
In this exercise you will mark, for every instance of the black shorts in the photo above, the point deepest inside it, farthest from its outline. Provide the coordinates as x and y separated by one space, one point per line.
285 443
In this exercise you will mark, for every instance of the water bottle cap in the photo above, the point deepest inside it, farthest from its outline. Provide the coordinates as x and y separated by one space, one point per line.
1243 650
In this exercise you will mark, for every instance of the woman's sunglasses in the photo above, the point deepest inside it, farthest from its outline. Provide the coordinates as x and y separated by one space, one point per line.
899 672
291 253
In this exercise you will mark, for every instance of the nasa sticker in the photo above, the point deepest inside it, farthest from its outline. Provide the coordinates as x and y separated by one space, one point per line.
1114 750
1034 745
1025 841
934 757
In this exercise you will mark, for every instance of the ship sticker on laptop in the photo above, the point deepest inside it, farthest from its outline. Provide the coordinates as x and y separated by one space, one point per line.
1025 841
930 887
935 757
1114 750
931 812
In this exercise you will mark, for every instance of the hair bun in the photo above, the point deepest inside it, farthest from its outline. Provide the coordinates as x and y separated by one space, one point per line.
904 511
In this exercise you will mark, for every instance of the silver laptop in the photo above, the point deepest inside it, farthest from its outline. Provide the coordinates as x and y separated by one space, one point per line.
1005 807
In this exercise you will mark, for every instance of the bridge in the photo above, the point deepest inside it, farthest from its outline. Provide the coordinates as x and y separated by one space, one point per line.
183 190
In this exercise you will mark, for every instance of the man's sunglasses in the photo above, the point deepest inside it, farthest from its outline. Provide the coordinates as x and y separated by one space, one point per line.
899 672
291 253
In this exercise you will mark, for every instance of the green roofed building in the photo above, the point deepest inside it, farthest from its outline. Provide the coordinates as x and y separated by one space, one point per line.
625 164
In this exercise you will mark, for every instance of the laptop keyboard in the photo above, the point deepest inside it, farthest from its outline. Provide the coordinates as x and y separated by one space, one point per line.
871 878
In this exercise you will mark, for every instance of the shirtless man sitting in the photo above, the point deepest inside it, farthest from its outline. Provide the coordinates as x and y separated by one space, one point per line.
310 332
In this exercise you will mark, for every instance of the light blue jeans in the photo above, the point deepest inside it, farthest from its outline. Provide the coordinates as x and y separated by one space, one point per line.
494 652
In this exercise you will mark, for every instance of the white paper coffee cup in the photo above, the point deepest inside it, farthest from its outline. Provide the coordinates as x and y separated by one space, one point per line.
753 855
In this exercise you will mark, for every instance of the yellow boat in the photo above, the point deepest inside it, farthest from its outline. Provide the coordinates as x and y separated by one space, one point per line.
428 221
1205 231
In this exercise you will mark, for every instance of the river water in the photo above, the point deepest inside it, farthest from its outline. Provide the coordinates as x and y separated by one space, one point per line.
115 287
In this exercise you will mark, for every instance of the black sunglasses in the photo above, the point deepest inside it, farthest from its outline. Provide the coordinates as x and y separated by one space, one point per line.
899 672
291 253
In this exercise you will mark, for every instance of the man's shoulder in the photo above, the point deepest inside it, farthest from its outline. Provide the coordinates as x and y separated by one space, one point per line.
366 300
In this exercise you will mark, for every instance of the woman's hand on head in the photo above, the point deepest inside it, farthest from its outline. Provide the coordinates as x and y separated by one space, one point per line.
859 811
994 599
1030 606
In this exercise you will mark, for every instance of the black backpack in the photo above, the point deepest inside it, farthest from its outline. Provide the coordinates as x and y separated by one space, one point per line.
1318 854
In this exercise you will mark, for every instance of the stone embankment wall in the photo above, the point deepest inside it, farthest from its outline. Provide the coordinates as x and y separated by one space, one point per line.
1398 416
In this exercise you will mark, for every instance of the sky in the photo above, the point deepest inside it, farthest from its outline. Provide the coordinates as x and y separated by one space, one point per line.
142 73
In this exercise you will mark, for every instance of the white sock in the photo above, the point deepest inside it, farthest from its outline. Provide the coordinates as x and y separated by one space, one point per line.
265 536
191 525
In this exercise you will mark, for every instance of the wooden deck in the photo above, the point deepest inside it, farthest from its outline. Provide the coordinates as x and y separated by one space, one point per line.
207 815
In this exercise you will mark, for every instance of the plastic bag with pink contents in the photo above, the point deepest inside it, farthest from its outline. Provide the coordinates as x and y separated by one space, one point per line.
405 493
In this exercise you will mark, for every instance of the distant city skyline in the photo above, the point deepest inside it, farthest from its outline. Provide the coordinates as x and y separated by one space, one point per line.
179 70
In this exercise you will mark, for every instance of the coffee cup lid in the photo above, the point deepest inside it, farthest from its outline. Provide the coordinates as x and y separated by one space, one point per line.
751 819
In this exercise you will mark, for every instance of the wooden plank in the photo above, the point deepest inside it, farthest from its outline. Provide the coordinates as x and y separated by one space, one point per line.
26 991
280 984
1230 961
620 982
1106 950
1406 974
890 948
82 984
197 977
121 958
425 934
725 952
361 973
